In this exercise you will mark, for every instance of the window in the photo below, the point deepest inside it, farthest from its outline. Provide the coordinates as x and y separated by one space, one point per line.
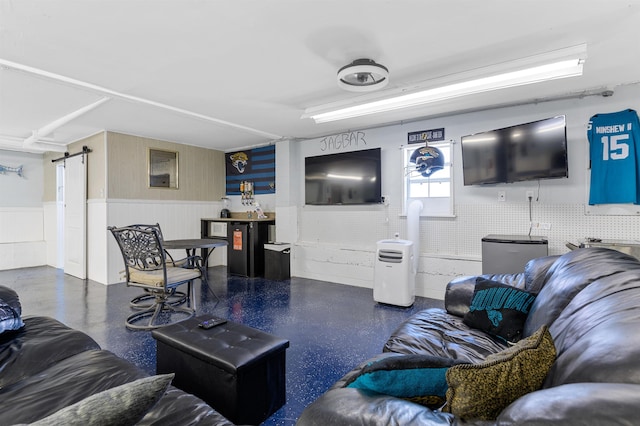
436 190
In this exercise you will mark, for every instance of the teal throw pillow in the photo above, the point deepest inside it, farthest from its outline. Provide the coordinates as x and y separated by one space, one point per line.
418 378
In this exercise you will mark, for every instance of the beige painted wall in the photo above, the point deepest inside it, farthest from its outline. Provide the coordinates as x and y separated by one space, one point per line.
118 169
96 166
201 174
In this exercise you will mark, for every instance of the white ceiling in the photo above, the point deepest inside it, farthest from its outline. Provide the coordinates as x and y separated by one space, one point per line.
227 74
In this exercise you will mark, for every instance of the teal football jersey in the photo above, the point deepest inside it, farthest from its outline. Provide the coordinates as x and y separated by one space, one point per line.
613 138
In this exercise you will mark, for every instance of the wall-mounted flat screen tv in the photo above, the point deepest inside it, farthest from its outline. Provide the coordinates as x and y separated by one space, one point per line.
530 151
344 178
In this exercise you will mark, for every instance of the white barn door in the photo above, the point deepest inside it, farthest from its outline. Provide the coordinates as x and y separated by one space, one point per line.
75 216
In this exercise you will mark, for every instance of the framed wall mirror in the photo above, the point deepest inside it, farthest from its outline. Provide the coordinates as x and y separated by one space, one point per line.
163 169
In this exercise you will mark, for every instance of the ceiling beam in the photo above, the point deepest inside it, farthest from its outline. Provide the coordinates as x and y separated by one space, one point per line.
46 130
9 65
12 143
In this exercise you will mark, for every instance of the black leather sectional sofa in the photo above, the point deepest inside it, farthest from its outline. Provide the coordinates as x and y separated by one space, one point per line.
55 374
588 301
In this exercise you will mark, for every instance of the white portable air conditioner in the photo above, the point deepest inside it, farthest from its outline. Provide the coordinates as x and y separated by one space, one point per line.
394 279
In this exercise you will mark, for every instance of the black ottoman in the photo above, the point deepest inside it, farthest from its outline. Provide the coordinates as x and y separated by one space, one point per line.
238 370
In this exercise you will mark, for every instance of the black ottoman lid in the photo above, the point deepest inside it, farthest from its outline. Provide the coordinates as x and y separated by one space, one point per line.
230 346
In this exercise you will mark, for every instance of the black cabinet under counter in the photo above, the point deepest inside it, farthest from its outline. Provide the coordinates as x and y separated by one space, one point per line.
246 238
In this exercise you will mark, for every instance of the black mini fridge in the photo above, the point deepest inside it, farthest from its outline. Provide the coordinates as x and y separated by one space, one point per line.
245 252
238 250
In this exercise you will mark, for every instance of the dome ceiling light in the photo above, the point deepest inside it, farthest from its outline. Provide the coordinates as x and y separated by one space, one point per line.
363 75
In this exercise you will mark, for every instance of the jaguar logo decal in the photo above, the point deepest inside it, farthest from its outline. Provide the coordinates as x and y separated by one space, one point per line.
239 161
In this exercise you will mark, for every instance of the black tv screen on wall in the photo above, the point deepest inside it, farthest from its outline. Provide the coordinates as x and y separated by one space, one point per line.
344 178
530 151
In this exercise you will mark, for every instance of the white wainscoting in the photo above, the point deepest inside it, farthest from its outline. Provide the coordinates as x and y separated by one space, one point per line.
355 266
22 241
50 220
178 219
97 241
352 265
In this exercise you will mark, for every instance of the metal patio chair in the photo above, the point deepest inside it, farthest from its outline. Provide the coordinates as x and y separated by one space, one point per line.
146 300
148 266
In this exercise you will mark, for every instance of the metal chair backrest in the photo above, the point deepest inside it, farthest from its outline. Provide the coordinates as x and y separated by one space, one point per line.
141 248
156 226
148 227
146 266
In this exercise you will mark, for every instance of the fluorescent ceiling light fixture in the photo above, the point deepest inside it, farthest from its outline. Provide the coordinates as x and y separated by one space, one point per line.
550 71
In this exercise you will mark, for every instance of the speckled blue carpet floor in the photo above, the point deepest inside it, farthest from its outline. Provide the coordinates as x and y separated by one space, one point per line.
331 327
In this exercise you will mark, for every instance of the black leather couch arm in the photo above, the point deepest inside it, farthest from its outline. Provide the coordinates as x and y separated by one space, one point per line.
354 407
566 405
41 343
458 295
459 291
536 272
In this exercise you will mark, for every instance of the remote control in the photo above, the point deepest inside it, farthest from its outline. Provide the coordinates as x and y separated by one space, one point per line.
211 322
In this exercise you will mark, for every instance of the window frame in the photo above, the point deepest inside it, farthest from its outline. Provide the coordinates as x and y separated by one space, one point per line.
433 206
